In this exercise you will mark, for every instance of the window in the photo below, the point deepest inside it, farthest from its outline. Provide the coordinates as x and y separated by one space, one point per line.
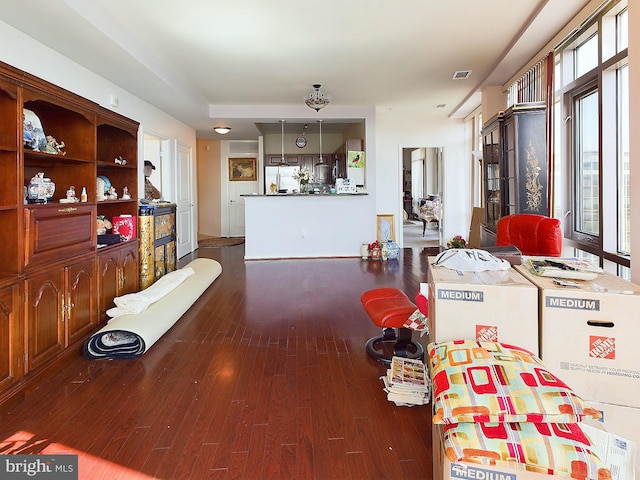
592 123
586 181
586 56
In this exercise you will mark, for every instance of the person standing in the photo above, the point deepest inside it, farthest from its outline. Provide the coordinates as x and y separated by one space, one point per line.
150 191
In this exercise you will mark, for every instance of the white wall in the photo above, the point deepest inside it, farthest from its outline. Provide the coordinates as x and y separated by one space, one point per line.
398 129
39 60
209 177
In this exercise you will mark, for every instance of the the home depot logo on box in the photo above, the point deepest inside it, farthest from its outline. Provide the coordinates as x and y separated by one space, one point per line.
486 333
602 347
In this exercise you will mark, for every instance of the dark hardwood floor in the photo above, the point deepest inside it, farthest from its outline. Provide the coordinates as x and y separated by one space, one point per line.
265 377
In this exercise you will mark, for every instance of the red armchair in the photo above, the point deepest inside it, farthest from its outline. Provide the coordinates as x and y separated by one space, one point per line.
532 234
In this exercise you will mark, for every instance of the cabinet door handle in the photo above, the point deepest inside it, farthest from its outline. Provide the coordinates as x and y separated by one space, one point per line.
70 304
67 210
63 308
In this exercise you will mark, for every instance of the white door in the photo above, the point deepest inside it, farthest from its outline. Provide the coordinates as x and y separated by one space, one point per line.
185 211
236 205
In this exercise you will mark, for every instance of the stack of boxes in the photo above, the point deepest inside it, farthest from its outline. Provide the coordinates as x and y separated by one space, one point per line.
589 337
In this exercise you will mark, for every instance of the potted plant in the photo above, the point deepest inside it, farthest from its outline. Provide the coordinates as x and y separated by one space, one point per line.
457 242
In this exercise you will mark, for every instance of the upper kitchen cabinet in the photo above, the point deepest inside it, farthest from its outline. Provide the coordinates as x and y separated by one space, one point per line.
289 159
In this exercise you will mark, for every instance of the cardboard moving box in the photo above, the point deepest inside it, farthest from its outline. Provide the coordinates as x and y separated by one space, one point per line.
495 306
615 451
445 469
624 422
589 336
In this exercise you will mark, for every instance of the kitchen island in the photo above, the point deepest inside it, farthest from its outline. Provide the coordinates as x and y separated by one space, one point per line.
307 226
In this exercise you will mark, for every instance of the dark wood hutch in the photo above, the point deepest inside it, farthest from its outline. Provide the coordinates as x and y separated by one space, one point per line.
56 283
515 166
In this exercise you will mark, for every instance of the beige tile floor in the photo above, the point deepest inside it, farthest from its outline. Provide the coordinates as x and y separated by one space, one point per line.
412 233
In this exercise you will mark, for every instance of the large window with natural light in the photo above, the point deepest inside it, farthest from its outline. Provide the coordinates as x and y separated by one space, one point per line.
592 140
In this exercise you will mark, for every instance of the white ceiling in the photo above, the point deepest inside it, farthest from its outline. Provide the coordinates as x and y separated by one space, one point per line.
188 57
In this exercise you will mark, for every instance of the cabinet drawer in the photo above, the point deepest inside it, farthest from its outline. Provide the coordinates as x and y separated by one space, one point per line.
59 231
165 226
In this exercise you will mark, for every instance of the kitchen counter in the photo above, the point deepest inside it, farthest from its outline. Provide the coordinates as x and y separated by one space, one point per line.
308 225
311 195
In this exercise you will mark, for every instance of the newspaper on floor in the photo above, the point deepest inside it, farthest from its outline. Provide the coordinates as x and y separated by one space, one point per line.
407 382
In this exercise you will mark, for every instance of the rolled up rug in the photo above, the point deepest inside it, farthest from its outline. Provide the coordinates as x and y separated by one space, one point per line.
131 335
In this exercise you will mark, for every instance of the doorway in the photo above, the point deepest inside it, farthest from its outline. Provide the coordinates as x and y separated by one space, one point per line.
422 182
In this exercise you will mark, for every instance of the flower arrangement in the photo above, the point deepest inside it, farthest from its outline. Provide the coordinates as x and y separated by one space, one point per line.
373 245
304 175
457 242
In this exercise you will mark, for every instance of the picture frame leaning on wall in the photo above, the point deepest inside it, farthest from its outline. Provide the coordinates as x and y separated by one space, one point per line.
385 230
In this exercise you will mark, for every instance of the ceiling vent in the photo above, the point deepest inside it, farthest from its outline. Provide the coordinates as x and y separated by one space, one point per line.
461 75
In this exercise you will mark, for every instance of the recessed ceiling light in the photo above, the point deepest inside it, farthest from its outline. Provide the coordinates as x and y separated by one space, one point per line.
461 74
222 130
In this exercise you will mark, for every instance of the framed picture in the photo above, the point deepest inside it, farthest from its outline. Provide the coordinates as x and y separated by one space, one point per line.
242 170
385 229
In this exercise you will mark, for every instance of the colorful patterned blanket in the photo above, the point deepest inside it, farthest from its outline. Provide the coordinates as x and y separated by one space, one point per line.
491 382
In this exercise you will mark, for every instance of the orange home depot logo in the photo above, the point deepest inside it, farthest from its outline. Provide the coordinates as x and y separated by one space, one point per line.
602 347
486 333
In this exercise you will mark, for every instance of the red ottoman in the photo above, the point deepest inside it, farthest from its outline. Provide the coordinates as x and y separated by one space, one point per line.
389 309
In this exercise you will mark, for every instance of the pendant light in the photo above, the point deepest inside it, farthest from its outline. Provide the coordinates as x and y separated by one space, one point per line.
321 161
282 159
322 168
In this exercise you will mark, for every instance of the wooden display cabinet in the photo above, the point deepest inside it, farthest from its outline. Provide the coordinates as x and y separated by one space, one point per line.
49 253
515 165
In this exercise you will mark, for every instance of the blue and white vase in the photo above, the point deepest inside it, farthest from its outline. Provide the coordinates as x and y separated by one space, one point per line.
393 250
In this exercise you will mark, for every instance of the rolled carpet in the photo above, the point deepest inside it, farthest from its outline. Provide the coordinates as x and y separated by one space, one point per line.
131 335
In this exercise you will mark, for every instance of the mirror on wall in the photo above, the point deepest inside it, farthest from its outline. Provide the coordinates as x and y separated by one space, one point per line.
154 152
421 168
422 195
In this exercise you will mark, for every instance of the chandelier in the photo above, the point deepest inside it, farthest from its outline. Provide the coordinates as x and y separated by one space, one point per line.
317 99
